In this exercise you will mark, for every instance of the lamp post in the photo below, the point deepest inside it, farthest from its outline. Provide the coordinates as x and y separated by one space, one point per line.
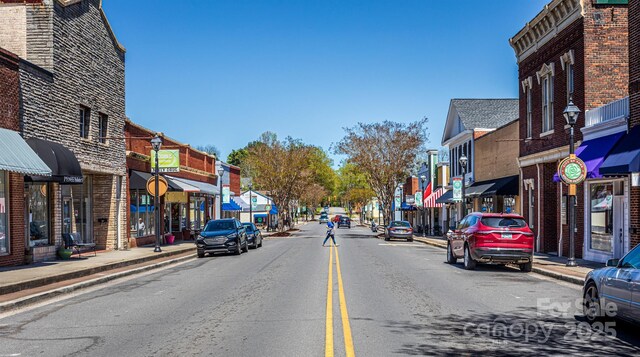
463 164
220 169
156 143
424 209
399 208
571 113
250 203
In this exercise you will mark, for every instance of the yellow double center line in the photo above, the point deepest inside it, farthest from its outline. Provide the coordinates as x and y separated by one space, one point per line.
346 327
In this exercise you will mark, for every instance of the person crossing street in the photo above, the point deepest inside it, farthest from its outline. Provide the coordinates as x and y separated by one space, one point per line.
331 232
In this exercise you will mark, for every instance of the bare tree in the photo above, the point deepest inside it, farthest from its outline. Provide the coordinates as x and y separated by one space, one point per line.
385 152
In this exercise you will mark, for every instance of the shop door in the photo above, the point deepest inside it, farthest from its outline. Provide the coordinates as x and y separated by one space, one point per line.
618 226
66 215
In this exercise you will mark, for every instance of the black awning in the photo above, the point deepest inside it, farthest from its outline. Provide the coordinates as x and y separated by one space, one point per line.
446 197
138 181
65 168
624 158
505 186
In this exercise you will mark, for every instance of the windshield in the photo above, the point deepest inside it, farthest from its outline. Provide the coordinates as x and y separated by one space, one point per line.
219 226
400 224
248 226
502 222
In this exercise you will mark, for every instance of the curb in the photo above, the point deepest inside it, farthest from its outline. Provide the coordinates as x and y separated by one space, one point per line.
32 299
38 282
538 270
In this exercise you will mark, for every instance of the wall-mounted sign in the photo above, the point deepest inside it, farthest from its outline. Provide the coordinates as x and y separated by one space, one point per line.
168 160
456 182
572 170
226 194
162 186
419 201
410 199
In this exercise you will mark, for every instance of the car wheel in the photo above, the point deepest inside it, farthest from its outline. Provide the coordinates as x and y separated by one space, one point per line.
246 247
451 259
238 248
469 263
526 267
591 303
200 254
260 245
409 239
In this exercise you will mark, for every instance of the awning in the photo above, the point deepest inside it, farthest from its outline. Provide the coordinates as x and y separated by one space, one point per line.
274 210
240 202
406 207
504 186
142 208
65 168
138 181
478 188
199 186
625 156
231 206
17 155
593 153
430 201
446 197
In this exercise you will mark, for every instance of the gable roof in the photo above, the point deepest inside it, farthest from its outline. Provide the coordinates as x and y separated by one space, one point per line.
479 114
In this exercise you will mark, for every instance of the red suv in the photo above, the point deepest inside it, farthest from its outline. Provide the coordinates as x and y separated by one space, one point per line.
491 238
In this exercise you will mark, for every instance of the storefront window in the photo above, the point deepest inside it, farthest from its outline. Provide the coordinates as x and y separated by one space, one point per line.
601 211
4 211
38 209
197 212
76 210
509 204
487 204
143 218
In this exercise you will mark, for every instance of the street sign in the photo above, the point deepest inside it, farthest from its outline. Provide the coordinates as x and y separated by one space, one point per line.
267 207
572 170
456 182
162 187
168 160
226 194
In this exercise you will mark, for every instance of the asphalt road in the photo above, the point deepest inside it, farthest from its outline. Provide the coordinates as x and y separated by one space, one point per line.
400 299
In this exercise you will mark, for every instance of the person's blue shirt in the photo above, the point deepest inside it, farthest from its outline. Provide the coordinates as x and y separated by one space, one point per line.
330 224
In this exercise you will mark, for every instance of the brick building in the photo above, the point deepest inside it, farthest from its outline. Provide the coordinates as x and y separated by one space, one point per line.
17 160
190 200
572 49
73 104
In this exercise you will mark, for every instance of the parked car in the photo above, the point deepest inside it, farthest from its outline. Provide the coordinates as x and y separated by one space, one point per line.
324 218
399 229
344 221
254 237
222 236
612 291
491 238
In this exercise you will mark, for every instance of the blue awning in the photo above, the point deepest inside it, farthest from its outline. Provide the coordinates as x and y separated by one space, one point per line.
593 153
231 206
142 209
274 210
405 207
625 156
260 215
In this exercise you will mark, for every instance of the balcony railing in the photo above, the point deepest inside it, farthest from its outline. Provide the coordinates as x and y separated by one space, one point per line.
610 111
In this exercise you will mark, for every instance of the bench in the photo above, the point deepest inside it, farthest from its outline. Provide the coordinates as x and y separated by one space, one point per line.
71 241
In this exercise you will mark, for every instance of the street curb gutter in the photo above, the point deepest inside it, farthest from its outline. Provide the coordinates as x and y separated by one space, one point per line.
34 283
32 299
545 272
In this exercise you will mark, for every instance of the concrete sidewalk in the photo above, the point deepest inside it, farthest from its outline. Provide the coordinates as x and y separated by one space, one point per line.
548 265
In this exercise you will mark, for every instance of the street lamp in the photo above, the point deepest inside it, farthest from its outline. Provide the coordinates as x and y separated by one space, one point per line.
250 203
220 170
463 163
571 113
424 209
399 208
156 143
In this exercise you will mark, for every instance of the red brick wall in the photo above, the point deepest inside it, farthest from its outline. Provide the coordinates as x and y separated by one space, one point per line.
10 119
634 104
234 179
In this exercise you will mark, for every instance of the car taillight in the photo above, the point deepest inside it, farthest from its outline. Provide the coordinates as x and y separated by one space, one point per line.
410 230
392 229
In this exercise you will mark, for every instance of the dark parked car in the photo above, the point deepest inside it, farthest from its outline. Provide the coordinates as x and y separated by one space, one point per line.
399 229
344 221
254 237
613 291
222 236
323 218
491 238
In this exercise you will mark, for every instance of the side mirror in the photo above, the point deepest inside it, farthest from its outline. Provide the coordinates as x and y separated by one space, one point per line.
613 262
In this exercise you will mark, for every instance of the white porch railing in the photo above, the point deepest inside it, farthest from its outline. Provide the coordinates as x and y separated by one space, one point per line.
610 111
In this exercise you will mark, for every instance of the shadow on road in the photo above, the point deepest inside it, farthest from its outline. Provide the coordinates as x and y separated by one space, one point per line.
524 333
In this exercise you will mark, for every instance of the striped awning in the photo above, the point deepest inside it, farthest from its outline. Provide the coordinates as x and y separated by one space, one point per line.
17 155
430 201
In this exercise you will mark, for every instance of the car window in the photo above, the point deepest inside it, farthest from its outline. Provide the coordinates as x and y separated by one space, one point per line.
400 224
462 223
501 222
249 227
219 226
632 260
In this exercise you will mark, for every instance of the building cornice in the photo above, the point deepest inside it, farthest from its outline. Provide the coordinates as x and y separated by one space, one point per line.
146 158
546 156
554 18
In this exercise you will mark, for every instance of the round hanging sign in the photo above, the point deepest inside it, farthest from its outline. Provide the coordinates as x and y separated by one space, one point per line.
162 187
572 170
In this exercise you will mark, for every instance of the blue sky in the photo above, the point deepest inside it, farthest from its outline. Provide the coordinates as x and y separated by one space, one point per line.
223 71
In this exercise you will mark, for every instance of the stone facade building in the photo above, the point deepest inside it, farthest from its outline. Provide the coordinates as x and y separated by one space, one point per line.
575 49
73 101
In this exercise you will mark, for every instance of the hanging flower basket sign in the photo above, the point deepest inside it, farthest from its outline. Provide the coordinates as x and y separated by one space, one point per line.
572 170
